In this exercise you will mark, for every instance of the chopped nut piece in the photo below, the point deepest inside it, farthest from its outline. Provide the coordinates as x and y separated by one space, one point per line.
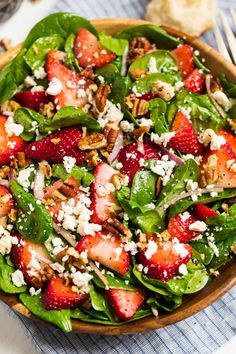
3 221
45 274
158 185
71 258
138 73
111 132
138 47
214 272
91 142
101 96
5 44
10 106
165 235
138 133
4 171
117 180
209 173
137 106
56 141
114 226
48 109
215 84
232 123
233 248
22 160
13 214
46 168
92 158
164 90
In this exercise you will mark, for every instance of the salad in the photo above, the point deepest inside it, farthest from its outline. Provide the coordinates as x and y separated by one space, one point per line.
117 173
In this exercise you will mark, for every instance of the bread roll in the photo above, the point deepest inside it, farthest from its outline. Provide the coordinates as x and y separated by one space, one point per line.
190 16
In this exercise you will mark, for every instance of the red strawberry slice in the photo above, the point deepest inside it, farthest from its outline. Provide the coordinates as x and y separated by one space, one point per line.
74 85
6 201
126 303
185 139
56 146
179 227
195 82
102 198
59 296
31 99
107 250
230 138
224 159
202 212
184 57
9 146
89 52
130 158
166 260
23 253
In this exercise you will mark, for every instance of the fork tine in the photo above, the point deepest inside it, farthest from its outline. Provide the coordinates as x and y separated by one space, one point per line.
220 42
233 14
229 34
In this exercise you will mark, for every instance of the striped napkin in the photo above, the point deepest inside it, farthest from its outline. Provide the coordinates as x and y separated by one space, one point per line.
202 333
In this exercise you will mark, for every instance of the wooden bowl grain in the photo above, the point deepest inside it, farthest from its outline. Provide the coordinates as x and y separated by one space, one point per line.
192 303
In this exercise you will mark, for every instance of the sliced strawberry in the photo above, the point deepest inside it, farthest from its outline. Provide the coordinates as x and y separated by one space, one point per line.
23 253
74 85
56 146
59 296
102 198
179 227
9 146
185 139
165 262
126 303
89 52
184 57
195 82
202 212
230 138
130 158
31 99
224 171
107 250
6 201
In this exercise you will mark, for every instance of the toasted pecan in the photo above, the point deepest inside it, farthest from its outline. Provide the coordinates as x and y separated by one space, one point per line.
91 142
101 96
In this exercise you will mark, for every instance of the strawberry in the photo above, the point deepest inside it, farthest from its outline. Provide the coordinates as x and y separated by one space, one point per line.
165 262
107 250
56 146
230 138
126 303
9 146
59 296
179 227
202 212
130 157
23 253
184 57
195 82
89 52
74 84
6 201
225 168
101 198
185 139
33 100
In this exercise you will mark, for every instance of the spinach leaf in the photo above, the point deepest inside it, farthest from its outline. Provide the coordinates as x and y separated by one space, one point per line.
81 174
225 254
200 64
158 108
203 113
36 54
25 117
36 223
229 87
153 33
143 188
185 203
115 282
176 185
109 68
61 23
221 226
12 75
145 84
206 253
115 45
165 62
71 60
167 303
148 284
60 318
6 283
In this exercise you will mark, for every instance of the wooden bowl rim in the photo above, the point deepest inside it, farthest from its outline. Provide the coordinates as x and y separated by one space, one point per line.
219 285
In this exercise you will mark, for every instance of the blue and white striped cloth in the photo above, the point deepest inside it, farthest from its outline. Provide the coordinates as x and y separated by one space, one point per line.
202 333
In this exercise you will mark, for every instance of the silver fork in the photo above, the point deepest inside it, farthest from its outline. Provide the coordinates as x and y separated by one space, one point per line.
229 35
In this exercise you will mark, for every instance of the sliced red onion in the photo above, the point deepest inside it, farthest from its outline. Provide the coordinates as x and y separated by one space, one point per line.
43 259
11 175
39 184
116 149
140 147
124 61
212 98
171 156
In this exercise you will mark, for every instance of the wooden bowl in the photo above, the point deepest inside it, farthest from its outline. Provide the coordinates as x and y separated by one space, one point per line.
192 303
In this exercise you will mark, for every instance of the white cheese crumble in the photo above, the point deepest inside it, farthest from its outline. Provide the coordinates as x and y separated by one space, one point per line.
180 250
199 226
12 128
18 278
6 241
29 81
23 178
131 247
111 113
55 87
223 100
208 136
81 280
184 216
34 292
152 66
151 249
162 139
69 162
40 73
183 269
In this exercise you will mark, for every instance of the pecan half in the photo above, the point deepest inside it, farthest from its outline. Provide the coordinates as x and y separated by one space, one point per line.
10 106
118 229
139 132
71 258
91 142
46 168
137 106
48 109
110 132
101 96
92 158
138 47
22 160
163 89
45 274
209 172
4 171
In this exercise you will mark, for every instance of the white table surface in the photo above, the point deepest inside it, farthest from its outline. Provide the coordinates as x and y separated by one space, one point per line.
13 339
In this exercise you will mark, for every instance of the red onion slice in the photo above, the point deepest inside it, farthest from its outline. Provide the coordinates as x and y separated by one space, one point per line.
140 147
39 184
212 98
117 147
171 156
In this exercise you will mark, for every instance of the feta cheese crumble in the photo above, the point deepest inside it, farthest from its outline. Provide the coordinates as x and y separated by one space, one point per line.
55 87
18 278
69 162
